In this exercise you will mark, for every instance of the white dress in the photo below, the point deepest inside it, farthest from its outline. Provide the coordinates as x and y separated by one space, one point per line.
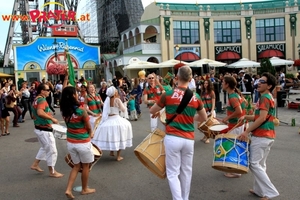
115 133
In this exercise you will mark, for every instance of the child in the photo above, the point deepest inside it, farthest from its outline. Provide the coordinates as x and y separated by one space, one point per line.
131 104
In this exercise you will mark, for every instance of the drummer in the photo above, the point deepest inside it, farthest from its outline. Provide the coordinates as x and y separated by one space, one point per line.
79 134
209 99
179 139
235 109
262 137
42 122
93 103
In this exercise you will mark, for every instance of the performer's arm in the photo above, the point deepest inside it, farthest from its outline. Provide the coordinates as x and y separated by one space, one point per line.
87 123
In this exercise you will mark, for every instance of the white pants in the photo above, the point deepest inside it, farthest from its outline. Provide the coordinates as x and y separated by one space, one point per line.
48 149
259 151
92 121
238 130
153 123
179 163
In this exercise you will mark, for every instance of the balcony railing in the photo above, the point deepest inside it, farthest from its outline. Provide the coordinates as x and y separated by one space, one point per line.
146 48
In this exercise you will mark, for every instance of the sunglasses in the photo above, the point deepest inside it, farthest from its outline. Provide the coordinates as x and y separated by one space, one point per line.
48 90
262 81
151 78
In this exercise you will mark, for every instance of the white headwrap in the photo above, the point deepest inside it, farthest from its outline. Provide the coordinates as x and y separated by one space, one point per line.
110 92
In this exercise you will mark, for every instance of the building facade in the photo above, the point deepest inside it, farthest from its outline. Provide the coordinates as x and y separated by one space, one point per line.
223 32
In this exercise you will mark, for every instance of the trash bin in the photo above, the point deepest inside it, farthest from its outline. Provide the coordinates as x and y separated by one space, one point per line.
281 95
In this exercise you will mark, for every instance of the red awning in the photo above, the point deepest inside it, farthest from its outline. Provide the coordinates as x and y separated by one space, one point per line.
187 57
297 62
271 53
228 55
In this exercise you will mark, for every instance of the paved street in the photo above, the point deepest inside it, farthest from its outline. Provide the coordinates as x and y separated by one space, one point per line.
130 180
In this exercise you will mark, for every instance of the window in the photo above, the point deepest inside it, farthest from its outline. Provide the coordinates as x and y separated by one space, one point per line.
270 30
186 32
227 31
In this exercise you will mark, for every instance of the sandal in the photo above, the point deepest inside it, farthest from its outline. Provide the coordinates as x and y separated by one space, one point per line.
232 175
3 134
8 133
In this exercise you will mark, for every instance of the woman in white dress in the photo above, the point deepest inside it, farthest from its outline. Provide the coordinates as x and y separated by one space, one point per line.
114 132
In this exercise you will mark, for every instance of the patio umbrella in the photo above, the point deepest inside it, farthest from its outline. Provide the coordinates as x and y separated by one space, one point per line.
275 61
3 75
171 63
244 63
205 61
141 65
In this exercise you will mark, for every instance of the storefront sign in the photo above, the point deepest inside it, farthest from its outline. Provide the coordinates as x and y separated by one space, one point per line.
221 49
263 47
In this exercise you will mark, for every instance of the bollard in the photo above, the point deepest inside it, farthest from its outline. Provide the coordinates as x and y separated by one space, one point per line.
293 122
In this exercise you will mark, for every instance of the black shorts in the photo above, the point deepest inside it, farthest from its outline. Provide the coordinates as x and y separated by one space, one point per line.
4 113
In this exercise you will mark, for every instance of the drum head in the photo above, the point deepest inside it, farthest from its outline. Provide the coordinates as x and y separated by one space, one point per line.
96 151
59 128
218 127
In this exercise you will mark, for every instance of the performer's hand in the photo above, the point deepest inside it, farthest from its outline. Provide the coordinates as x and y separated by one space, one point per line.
225 121
243 136
92 134
242 118
55 121
156 115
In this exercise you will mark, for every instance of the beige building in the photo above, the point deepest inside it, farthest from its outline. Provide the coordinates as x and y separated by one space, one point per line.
223 32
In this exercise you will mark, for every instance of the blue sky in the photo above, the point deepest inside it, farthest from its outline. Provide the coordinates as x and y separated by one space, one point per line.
6 9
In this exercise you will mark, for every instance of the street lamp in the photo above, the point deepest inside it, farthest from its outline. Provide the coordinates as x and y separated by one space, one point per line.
177 48
298 50
55 49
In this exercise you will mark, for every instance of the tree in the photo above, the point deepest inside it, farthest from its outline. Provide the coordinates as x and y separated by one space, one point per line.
266 66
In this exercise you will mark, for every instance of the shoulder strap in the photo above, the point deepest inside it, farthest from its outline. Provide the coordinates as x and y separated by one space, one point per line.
184 102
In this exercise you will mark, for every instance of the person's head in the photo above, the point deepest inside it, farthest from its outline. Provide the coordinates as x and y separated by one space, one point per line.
24 84
13 87
208 86
83 88
43 89
111 91
91 88
151 78
136 81
229 82
184 74
68 101
267 82
104 85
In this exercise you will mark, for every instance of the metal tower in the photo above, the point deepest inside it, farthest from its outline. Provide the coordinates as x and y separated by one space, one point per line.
31 29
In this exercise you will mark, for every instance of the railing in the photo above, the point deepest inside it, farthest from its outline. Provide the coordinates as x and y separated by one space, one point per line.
225 13
267 11
185 13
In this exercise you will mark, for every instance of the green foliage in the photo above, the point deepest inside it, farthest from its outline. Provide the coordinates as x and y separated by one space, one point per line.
289 76
266 66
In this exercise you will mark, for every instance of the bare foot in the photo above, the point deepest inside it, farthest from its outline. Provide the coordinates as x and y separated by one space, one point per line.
88 191
119 158
232 175
36 168
56 175
206 141
69 195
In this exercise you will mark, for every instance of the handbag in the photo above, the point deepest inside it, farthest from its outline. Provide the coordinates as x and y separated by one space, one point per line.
184 102
10 101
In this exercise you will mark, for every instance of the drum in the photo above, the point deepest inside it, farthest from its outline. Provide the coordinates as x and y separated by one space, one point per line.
204 126
151 153
59 131
163 117
97 155
216 129
96 123
230 155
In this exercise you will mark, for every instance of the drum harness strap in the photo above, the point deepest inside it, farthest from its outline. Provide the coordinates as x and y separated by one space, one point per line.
184 102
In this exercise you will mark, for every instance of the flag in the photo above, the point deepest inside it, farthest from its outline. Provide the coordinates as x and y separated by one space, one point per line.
71 70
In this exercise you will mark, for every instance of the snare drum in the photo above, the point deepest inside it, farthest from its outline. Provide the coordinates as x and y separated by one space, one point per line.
151 153
204 126
59 131
97 155
162 117
230 155
216 130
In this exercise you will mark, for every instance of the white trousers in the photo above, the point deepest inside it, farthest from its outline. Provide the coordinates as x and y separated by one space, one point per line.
259 151
179 163
238 130
153 123
48 149
92 121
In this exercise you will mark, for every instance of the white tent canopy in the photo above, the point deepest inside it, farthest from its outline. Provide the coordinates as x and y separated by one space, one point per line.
244 63
171 63
275 61
141 65
205 61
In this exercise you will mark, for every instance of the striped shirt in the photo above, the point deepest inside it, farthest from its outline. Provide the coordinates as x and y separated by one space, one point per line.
94 103
234 101
266 102
183 123
207 100
41 103
152 94
76 130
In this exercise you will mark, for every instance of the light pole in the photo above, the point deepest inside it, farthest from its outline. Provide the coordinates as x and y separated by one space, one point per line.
177 48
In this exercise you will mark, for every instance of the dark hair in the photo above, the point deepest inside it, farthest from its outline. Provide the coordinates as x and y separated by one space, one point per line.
68 103
40 88
210 87
271 80
231 81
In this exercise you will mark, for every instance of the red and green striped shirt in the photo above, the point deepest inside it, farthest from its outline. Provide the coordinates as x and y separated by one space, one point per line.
183 124
234 101
266 102
94 103
76 130
153 93
41 103
207 100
